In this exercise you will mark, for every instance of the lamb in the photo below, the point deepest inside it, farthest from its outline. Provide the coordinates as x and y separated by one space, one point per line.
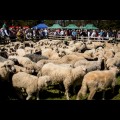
66 75
98 81
30 83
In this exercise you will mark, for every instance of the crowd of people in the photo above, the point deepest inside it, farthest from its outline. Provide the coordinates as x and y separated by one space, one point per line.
21 33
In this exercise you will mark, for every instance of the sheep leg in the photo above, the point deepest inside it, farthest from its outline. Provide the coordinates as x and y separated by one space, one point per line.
92 93
82 92
28 97
67 94
103 96
37 95
66 85
79 95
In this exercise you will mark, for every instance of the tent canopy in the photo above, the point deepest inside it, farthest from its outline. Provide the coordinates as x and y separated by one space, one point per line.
41 26
56 26
90 26
71 26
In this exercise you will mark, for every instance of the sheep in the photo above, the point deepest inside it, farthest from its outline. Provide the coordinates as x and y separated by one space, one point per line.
81 62
30 83
21 60
69 59
40 67
93 65
26 81
6 72
115 61
27 63
20 52
29 50
34 57
66 75
98 81
20 69
51 54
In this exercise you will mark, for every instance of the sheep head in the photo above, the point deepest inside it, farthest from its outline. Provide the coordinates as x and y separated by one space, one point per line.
9 65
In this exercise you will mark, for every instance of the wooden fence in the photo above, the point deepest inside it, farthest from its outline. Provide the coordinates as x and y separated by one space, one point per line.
84 39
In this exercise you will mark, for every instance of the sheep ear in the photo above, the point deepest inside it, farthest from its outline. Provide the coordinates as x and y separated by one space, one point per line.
84 68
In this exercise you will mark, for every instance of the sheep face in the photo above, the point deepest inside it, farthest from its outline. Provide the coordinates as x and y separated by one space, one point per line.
30 69
9 65
61 54
15 61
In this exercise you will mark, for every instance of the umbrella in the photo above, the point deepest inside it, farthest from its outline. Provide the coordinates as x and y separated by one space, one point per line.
90 26
40 26
56 26
71 26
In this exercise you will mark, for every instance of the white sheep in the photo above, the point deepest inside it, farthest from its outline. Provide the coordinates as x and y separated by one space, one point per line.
32 84
66 75
95 81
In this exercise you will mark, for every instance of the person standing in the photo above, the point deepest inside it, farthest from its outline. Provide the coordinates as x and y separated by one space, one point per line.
4 26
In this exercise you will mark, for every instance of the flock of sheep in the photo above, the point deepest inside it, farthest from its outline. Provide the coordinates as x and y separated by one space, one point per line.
28 67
